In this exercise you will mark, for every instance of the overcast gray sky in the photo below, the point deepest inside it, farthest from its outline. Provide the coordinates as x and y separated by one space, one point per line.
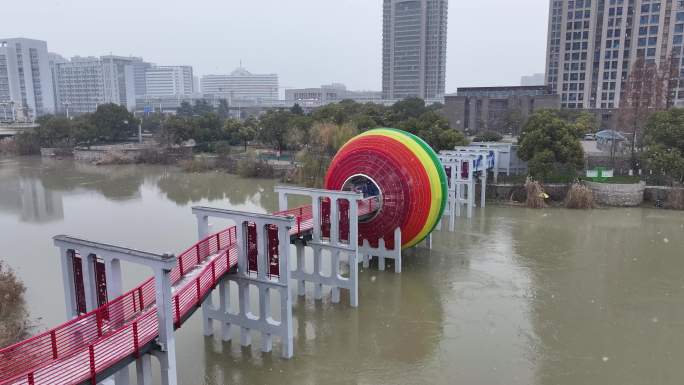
307 42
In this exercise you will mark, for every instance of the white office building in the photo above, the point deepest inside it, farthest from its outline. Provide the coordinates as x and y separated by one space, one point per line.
83 83
165 81
80 85
242 86
120 80
329 93
26 89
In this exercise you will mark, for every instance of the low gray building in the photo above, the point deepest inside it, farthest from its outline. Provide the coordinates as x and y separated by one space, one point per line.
501 109
331 93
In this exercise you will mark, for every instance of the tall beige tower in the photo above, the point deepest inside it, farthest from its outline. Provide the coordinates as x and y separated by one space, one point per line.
414 41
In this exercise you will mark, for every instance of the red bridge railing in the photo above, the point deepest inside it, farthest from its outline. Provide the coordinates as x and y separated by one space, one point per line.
84 346
304 215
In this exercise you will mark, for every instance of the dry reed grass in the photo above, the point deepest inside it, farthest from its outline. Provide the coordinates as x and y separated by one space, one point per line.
535 194
579 197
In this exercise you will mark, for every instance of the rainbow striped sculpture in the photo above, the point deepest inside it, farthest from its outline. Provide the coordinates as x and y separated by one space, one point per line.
406 175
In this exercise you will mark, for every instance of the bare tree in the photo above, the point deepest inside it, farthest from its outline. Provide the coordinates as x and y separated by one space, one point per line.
648 88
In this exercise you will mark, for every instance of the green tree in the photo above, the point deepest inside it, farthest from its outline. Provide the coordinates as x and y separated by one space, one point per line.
332 113
443 139
84 131
300 129
223 110
666 128
488 136
185 110
550 145
54 131
114 122
585 123
664 138
408 108
239 132
202 107
175 130
364 122
273 128
666 161
152 122
297 109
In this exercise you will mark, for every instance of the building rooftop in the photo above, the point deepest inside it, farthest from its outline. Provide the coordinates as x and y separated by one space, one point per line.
501 88
501 92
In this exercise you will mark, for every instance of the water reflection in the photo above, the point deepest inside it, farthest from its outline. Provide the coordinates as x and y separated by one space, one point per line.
29 198
186 188
34 188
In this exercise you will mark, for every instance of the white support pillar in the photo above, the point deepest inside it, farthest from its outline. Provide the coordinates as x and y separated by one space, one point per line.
263 281
382 253
166 339
114 290
353 255
113 274
483 189
496 166
459 197
202 227
143 369
67 263
89 281
285 292
224 299
282 202
453 206
300 249
471 196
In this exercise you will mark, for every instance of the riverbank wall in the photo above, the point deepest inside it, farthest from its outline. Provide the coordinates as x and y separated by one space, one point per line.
656 196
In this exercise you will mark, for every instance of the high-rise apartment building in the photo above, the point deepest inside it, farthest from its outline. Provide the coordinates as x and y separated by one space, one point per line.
593 44
164 81
242 85
414 41
25 78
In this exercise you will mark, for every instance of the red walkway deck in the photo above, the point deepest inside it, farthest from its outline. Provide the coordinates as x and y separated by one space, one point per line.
78 350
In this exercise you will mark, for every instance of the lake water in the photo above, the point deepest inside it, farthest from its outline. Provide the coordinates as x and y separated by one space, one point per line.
514 296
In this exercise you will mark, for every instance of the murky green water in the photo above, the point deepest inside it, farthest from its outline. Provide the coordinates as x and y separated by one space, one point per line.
515 296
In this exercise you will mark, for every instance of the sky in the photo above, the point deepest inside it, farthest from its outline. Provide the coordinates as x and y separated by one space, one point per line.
306 42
